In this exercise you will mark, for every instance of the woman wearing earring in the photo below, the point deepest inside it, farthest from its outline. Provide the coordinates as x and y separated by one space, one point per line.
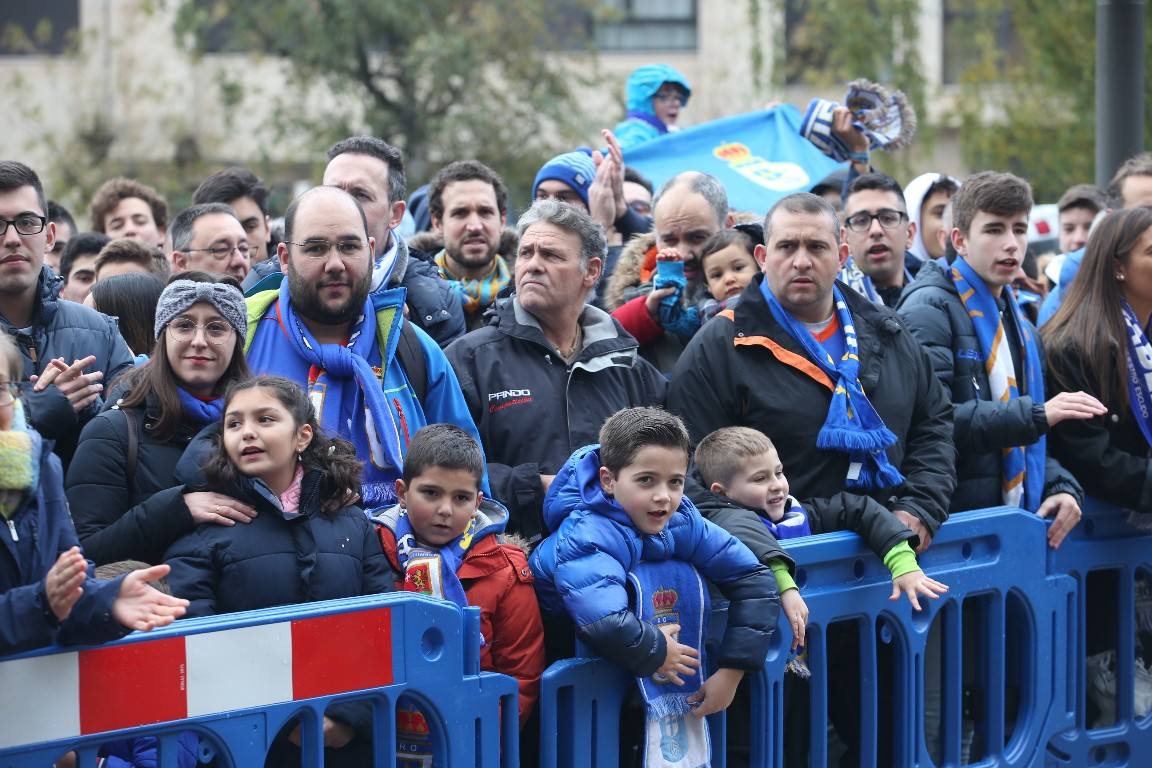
121 488
1098 343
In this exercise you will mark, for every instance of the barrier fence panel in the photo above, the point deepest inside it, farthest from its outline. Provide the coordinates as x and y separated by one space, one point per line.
991 656
891 660
235 681
1111 695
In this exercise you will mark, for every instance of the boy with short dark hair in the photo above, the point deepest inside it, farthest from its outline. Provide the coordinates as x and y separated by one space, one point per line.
990 360
620 519
445 539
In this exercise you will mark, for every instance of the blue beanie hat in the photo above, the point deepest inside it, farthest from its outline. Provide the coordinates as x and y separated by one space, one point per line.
575 169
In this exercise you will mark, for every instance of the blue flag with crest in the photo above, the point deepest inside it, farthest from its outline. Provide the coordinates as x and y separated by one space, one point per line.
759 157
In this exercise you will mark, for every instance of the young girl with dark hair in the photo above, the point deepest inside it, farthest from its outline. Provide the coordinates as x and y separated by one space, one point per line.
306 543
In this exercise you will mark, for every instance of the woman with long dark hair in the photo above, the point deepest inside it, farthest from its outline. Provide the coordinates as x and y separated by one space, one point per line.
1097 342
121 487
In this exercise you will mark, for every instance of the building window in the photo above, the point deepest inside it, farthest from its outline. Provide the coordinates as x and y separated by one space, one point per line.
966 24
44 27
647 25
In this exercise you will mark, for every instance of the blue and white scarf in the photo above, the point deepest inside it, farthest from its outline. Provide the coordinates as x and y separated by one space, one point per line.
672 592
377 437
432 571
852 425
1022 467
793 525
1139 373
854 278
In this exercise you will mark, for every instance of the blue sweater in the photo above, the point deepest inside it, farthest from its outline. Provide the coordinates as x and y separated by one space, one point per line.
582 569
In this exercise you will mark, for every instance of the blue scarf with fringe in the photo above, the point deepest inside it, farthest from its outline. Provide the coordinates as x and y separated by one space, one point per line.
852 425
1022 467
672 592
376 436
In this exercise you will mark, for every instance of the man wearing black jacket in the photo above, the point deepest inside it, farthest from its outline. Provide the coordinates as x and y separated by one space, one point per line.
991 212
548 369
746 369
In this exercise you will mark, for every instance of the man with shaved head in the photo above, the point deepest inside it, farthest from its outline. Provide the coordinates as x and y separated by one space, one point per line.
320 328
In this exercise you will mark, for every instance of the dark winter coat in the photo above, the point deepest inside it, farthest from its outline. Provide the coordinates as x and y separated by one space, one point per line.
582 569
1107 454
932 310
72 331
743 369
880 529
34 538
118 522
532 409
272 561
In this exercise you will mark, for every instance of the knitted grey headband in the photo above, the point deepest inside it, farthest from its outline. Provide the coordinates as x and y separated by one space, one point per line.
182 294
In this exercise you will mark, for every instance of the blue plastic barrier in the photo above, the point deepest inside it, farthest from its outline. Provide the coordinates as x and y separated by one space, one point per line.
1105 544
236 680
996 559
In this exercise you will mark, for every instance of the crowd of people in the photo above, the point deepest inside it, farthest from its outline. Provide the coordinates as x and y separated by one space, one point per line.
582 424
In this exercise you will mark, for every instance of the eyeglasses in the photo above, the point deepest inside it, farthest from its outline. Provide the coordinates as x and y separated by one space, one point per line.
215 331
9 391
221 252
669 96
319 249
25 223
862 222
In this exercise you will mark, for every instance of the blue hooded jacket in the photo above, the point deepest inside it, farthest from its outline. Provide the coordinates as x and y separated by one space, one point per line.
641 124
583 567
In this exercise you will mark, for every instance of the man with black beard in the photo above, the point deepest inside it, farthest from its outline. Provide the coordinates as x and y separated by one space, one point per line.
469 206
373 377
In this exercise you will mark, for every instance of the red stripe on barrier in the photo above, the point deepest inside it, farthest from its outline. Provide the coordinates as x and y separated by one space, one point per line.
134 684
342 652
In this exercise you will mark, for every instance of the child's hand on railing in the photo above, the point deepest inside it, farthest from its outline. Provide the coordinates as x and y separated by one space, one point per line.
917 583
796 611
717 691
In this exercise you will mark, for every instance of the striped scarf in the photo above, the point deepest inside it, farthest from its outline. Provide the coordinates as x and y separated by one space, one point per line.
1022 466
476 294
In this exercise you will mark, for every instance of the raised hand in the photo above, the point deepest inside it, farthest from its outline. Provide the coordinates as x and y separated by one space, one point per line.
142 607
64 583
80 388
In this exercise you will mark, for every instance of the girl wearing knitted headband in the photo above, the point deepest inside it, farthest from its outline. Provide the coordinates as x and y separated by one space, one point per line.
121 487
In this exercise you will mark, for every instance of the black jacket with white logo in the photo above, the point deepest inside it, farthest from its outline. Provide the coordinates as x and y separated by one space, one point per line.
533 410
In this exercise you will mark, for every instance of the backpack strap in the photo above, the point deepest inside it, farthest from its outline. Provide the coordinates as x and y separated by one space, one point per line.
411 356
133 449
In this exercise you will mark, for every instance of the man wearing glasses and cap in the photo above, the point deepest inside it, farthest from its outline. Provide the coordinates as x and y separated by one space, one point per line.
68 349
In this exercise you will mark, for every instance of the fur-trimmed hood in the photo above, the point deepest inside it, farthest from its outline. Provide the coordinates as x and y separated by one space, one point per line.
626 276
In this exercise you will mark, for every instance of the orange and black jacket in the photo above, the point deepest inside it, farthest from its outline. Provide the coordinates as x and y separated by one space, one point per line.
744 369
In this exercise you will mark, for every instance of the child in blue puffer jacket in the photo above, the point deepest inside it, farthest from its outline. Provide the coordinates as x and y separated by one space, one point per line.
622 524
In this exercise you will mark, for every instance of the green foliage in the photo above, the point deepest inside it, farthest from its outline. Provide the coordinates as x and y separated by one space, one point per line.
1029 107
442 79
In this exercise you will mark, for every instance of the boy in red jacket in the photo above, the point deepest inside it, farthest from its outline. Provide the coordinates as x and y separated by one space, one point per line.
446 540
